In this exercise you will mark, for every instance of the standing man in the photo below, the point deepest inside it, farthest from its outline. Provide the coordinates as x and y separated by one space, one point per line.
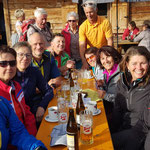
43 60
40 25
95 31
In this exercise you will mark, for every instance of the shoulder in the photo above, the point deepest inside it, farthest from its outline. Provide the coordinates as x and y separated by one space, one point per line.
84 24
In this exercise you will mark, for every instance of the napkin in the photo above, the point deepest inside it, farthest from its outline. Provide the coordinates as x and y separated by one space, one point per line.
92 94
59 135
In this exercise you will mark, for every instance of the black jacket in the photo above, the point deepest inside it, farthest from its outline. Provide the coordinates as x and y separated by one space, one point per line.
130 103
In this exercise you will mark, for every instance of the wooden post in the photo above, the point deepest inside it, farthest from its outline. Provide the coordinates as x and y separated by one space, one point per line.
7 20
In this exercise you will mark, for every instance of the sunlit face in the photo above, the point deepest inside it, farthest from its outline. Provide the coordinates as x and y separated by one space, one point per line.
58 44
37 45
7 72
24 57
91 14
107 61
41 21
72 22
138 66
91 59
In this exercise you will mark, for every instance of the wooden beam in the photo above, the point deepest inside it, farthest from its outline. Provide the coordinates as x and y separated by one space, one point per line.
7 20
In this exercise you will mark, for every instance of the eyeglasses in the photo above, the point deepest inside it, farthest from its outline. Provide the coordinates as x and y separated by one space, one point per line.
22 55
88 4
11 63
91 57
71 20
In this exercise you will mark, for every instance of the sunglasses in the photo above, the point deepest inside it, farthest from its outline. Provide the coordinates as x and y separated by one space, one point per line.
88 4
6 63
22 55
91 57
71 20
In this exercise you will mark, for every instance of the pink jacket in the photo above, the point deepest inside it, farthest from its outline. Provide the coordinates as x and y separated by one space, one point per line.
8 93
127 32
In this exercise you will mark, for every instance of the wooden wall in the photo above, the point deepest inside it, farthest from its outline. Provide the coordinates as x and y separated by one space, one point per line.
56 9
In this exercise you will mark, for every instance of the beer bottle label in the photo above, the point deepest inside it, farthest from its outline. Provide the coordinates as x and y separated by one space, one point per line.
87 129
62 117
78 119
70 142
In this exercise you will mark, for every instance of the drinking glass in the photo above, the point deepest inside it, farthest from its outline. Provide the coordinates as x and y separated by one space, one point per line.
66 89
86 127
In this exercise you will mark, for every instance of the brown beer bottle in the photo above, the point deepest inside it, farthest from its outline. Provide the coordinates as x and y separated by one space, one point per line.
71 80
79 107
72 132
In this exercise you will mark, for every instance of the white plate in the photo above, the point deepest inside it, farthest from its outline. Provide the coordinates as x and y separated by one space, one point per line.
97 112
50 119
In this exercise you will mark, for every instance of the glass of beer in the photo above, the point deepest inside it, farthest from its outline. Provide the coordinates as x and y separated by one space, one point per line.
66 89
86 127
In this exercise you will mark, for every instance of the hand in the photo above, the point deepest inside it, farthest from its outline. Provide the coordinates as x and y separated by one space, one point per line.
100 83
39 114
70 64
85 66
101 93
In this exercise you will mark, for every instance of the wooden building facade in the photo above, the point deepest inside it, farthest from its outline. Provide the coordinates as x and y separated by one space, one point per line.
57 11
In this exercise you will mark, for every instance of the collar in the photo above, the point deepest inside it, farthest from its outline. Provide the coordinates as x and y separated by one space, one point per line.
112 71
97 22
69 29
7 87
39 27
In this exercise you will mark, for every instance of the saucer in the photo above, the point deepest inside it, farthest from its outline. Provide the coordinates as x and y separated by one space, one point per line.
97 112
50 119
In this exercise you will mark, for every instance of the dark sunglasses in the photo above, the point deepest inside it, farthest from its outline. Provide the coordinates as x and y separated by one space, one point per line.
6 63
71 20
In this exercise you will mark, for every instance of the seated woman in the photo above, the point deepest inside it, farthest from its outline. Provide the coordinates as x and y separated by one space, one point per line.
30 77
11 90
131 99
108 58
90 56
130 32
144 37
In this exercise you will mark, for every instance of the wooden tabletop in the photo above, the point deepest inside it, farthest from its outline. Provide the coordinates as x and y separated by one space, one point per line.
101 133
127 42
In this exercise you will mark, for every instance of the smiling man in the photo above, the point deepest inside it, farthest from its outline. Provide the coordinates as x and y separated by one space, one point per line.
95 31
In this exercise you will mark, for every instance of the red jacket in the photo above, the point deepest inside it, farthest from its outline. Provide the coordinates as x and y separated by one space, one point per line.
127 32
8 93
67 36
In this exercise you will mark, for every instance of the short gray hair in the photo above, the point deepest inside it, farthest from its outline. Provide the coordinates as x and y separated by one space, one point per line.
90 3
72 14
19 13
39 11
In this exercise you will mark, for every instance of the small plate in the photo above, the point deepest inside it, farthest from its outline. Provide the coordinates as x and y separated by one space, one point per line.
50 119
97 112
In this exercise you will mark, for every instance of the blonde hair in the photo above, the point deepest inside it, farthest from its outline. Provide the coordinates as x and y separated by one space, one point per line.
19 13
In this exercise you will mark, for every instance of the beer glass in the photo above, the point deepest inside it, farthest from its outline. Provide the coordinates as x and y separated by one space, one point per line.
66 89
86 127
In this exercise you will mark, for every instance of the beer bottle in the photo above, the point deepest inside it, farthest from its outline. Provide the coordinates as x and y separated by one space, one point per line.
72 132
71 80
79 107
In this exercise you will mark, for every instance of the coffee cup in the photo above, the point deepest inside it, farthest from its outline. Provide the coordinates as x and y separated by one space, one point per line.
92 106
53 112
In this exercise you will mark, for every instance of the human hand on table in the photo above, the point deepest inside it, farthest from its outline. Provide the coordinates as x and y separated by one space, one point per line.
101 93
39 114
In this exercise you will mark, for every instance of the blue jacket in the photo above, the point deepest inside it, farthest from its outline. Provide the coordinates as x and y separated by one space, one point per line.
13 131
29 80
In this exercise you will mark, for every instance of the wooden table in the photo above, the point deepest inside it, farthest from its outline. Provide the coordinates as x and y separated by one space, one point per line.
101 133
123 43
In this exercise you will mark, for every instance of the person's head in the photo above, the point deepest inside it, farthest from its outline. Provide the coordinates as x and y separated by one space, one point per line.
131 25
108 56
90 56
58 43
90 9
41 17
135 63
24 55
72 19
19 14
37 42
7 63
146 24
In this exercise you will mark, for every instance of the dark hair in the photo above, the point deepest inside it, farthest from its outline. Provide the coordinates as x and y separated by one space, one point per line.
147 23
22 44
132 51
109 51
132 23
91 50
57 34
7 49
